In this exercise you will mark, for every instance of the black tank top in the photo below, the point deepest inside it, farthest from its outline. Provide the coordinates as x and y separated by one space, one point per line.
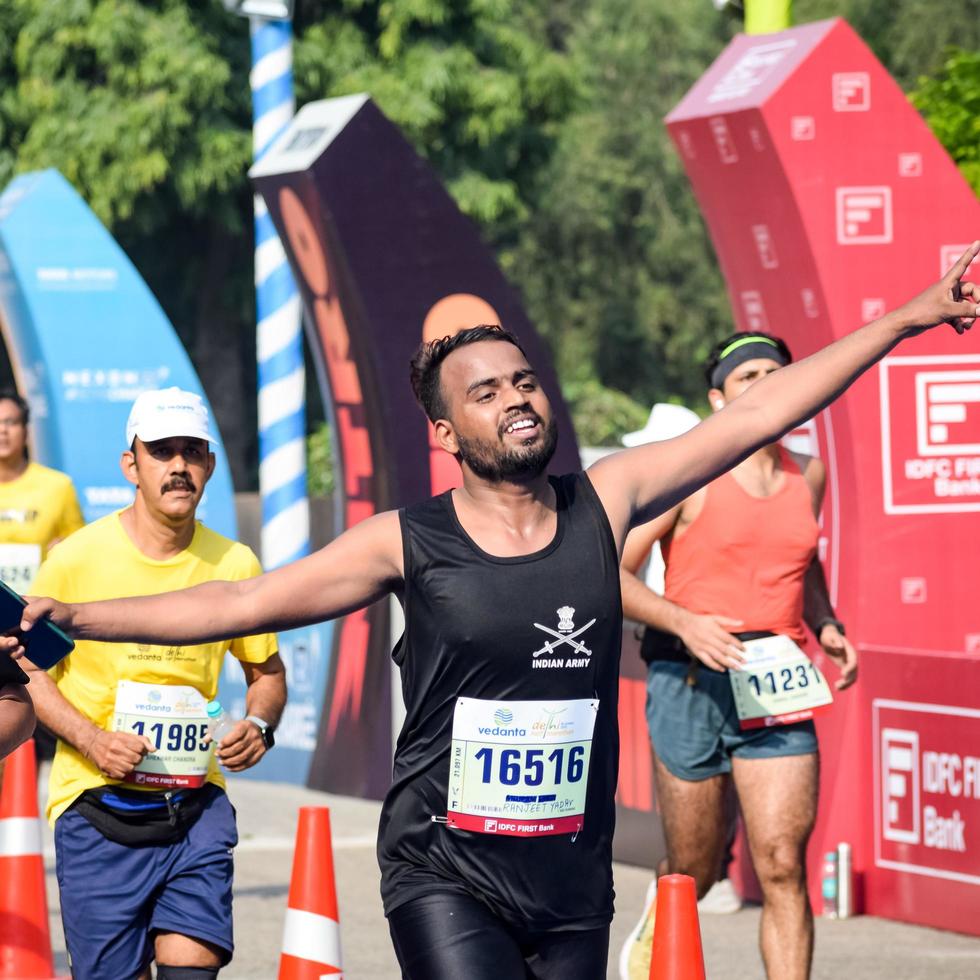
475 628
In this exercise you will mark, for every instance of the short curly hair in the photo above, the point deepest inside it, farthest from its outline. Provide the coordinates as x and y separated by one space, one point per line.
427 362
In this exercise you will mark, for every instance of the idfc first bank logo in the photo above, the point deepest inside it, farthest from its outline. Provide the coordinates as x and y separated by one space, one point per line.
927 813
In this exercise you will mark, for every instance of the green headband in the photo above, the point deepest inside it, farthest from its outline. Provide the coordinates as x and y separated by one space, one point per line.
744 349
742 341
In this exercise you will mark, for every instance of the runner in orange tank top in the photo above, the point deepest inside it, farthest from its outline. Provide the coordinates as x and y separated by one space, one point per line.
740 559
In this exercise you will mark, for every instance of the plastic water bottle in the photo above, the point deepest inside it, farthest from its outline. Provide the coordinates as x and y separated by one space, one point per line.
221 723
828 885
845 882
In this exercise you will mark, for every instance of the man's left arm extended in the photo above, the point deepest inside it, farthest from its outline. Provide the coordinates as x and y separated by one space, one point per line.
818 614
637 484
265 698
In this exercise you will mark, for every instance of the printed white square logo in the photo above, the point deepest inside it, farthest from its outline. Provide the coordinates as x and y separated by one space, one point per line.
810 306
758 143
765 247
864 215
490 826
900 785
947 412
723 139
910 165
851 91
913 591
803 128
948 254
754 310
972 643
687 144
751 70
872 309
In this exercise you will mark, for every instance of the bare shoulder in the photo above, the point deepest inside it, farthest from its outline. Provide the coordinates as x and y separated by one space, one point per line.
812 467
607 478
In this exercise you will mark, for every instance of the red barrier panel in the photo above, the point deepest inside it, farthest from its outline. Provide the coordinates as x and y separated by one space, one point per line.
829 201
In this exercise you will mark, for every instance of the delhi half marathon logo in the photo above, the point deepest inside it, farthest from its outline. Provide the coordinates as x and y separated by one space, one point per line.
565 635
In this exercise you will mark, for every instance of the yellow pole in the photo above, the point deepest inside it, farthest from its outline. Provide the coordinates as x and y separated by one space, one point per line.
767 16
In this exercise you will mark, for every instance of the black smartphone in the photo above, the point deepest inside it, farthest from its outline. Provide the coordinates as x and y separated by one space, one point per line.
45 644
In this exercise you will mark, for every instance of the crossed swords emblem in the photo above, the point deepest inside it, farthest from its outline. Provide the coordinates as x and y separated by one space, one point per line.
559 638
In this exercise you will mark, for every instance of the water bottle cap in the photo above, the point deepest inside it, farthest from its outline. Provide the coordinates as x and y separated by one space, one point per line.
214 709
829 856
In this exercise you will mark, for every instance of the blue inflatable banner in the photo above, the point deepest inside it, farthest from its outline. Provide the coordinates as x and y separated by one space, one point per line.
85 336
306 654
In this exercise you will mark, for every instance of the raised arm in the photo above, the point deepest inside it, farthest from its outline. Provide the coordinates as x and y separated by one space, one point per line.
360 566
637 484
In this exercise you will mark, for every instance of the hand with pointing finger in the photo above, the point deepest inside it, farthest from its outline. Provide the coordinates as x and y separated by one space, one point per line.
951 300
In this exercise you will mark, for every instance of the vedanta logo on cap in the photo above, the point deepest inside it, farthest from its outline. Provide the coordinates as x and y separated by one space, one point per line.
168 413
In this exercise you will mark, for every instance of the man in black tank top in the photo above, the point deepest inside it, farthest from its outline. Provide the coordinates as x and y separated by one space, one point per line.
495 839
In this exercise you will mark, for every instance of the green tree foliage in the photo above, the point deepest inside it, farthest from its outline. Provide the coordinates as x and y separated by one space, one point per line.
144 107
544 117
950 102
616 264
474 85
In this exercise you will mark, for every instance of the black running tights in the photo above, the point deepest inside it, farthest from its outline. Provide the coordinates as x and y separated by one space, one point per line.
452 936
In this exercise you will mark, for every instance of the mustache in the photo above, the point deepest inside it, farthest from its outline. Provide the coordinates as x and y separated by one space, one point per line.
180 483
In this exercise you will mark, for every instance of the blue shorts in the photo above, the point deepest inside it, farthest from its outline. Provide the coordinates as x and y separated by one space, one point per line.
695 730
114 897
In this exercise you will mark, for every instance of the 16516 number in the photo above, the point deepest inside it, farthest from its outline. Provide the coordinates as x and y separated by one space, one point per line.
530 766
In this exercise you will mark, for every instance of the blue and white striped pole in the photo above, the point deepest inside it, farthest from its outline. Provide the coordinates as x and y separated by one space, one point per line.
282 380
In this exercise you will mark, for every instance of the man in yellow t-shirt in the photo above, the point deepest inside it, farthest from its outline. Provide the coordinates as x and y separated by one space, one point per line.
143 829
38 506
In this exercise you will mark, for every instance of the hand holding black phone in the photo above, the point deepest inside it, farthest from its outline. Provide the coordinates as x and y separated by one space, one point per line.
45 643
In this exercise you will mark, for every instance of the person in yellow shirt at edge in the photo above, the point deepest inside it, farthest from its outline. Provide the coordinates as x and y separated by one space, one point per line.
38 508
143 829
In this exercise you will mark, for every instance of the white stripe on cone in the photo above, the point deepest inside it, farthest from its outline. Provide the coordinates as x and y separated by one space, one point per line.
20 836
309 936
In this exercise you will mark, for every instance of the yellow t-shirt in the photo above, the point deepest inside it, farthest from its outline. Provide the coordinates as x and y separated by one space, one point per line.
39 507
101 562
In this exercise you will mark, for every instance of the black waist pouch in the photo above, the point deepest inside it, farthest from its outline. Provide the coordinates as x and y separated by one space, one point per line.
659 645
135 818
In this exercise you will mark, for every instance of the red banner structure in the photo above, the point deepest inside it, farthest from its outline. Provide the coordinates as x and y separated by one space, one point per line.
829 201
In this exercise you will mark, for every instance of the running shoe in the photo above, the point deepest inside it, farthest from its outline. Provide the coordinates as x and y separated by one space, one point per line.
634 957
722 899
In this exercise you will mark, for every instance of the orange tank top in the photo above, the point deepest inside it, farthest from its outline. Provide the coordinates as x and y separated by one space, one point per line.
746 556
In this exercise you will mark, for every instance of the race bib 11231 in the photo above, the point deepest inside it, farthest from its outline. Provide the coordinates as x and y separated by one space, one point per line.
777 685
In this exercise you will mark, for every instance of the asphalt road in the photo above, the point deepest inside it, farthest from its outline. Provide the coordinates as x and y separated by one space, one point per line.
862 948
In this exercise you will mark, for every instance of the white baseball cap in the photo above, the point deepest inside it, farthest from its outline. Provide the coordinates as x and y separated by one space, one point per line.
166 413
666 421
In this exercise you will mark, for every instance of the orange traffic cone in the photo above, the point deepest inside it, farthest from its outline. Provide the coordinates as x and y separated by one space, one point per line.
311 935
676 935
25 941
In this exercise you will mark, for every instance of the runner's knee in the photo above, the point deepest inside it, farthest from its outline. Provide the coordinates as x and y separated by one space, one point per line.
703 869
165 972
780 865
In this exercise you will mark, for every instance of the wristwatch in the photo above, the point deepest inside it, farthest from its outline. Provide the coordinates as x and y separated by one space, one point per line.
829 621
265 730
